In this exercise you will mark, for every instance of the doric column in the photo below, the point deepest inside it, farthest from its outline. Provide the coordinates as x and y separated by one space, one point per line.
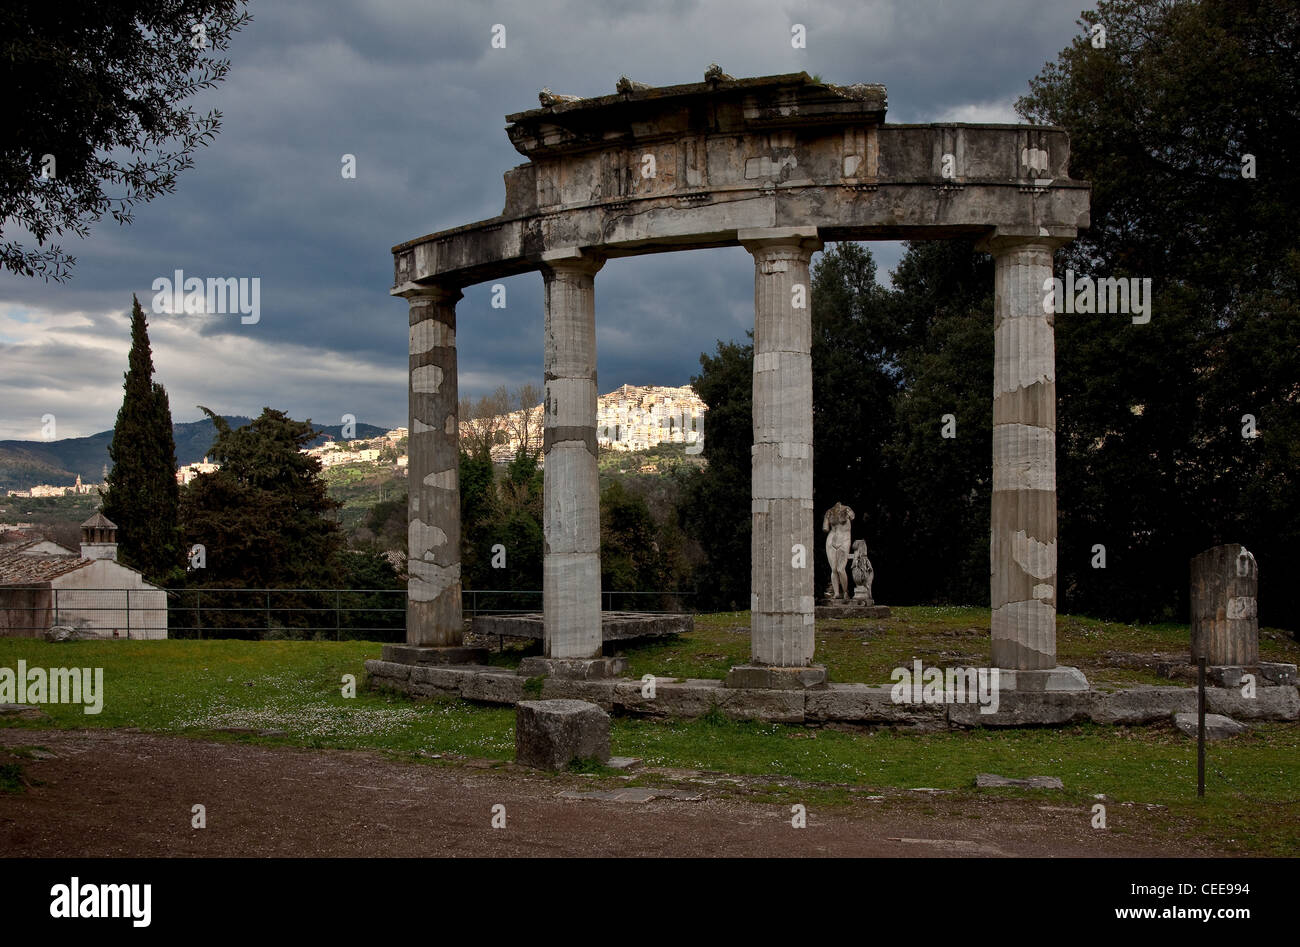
571 502
782 545
433 615
1022 548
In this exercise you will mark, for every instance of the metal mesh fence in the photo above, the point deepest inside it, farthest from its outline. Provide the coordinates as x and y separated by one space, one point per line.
265 614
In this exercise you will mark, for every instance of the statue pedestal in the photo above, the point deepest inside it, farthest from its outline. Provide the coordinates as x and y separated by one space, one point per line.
851 609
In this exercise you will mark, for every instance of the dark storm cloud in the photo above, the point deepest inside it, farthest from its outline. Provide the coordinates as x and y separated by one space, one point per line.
416 93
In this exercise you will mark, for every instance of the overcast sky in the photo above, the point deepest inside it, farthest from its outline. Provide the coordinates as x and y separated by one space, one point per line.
416 92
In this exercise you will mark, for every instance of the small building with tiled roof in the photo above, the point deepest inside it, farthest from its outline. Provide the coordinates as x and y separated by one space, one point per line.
44 585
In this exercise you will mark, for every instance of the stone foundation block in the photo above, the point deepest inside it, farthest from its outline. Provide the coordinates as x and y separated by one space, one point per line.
388 671
1140 705
768 677
1217 726
573 669
1266 672
775 705
1277 673
439 678
499 688
673 697
1269 703
418 654
862 703
600 692
1053 679
551 734
1025 709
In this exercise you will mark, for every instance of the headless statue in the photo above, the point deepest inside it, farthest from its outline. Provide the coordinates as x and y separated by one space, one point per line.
837 524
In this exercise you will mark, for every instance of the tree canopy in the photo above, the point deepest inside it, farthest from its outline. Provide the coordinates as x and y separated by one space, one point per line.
264 518
98 120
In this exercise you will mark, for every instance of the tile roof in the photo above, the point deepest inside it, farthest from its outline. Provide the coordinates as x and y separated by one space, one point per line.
19 567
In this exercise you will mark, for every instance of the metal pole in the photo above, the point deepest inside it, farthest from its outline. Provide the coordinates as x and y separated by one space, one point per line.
1200 726
338 611
198 612
268 609
128 614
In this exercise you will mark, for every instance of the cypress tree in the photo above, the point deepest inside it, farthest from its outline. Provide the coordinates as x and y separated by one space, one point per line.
142 495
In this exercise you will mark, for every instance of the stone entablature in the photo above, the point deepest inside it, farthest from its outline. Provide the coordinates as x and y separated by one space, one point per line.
772 152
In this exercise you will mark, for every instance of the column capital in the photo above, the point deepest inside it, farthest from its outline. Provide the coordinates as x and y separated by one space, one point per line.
757 239
438 292
1008 240
571 260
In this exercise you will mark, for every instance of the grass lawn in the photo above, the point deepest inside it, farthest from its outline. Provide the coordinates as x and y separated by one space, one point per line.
196 688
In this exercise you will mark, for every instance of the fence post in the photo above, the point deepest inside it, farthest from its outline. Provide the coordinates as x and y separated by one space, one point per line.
268 610
338 615
128 614
198 612
1200 725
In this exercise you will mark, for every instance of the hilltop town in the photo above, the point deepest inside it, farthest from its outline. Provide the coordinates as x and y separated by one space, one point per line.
629 419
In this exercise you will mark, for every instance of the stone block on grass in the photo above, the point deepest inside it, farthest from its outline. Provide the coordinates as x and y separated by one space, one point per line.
1217 726
551 734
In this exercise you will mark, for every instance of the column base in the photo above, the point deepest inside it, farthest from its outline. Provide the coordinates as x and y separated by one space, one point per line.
427 654
573 669
769 677
1051 680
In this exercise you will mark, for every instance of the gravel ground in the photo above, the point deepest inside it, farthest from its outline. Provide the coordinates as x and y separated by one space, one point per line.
123 793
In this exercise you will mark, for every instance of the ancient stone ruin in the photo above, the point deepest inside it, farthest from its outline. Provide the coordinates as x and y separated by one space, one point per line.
837 523
778 165
863 573
1224 615
844 553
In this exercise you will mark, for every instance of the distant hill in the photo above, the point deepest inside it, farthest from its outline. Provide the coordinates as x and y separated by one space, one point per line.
24 464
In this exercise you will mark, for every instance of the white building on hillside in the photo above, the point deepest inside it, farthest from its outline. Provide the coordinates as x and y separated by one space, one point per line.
43 585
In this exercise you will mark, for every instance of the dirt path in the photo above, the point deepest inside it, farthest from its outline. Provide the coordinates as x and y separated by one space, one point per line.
120 793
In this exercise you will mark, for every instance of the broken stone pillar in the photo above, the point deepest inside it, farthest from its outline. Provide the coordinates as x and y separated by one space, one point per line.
1225 618
1022 548
571 497
782 545
433 615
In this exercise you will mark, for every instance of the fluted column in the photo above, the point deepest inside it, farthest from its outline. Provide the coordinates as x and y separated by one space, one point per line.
1022 547
781 599
433 612
571 501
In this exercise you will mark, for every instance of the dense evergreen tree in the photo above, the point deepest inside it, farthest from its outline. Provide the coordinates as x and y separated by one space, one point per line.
1152 461
141 492
630 560
937 549
264 518
855 344
715 507
478 513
